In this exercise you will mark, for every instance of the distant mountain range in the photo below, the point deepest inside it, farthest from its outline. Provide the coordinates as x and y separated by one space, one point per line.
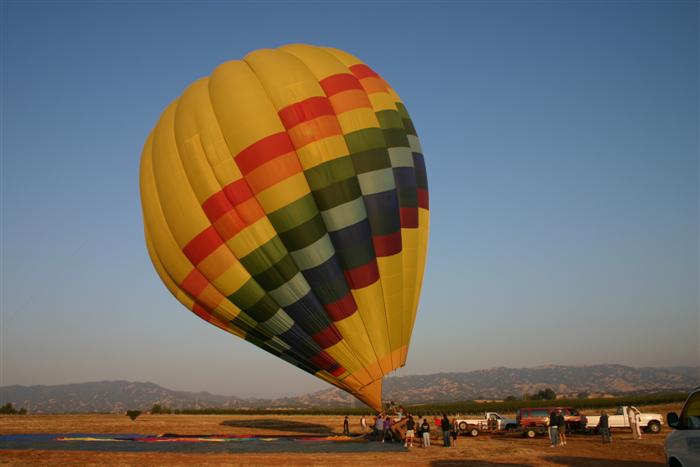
495 383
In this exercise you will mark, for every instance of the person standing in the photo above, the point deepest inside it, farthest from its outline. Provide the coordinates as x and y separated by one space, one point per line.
387 429
492 423
410 427
638 417
400 413
633 416
553 428
425 430
346 426
378 428
562 427
363 424
604 427
455 432
419 431
445 425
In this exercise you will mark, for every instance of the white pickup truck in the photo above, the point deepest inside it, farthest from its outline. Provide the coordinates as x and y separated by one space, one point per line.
490 421
650 422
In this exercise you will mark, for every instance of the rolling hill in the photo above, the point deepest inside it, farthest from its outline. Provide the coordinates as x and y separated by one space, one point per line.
495 383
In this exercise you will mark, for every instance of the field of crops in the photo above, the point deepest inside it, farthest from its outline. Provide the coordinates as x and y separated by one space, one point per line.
465 407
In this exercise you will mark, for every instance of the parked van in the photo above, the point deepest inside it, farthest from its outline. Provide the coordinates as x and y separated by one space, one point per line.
534 420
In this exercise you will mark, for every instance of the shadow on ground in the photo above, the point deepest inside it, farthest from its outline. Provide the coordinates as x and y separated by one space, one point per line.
561 460
593 462
474 463
280 425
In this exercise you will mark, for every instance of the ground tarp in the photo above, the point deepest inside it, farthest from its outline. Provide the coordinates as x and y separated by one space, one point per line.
193 443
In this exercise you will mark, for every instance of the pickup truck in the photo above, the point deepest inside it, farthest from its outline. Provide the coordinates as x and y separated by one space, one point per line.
650 422
490 421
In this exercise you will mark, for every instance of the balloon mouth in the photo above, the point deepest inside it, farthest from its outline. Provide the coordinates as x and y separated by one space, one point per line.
371 395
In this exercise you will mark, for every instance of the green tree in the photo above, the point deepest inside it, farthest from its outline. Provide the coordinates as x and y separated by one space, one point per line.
510 399
156 409
542 395
132 414
8 409
548 394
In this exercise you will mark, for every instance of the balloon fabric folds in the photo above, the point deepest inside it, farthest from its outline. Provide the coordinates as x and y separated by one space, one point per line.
285 201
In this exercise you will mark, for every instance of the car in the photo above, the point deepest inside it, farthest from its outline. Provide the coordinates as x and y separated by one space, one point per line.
682 445
535 420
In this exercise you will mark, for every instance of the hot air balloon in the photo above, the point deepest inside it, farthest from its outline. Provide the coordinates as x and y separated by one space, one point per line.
285 200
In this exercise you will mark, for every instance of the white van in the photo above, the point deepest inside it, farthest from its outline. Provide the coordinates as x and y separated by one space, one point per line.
682 446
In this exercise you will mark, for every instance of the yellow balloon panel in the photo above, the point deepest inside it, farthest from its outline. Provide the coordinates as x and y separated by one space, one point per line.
285 201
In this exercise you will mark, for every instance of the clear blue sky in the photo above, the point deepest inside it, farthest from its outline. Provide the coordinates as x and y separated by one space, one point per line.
561 142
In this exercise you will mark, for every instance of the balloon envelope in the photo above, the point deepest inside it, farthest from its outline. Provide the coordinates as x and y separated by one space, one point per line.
285 200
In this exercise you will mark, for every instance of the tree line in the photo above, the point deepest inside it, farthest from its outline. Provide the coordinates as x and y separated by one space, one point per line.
9 409
544 398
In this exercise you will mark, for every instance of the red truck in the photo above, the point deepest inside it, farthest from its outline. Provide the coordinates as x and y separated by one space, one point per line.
534 421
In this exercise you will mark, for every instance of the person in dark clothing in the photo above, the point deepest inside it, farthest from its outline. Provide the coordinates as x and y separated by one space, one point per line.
378 428
492 423
425 431
553 428
604 427
410 432
445 425
346 426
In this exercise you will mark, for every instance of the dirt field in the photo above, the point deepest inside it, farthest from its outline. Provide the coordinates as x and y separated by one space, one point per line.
483 451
